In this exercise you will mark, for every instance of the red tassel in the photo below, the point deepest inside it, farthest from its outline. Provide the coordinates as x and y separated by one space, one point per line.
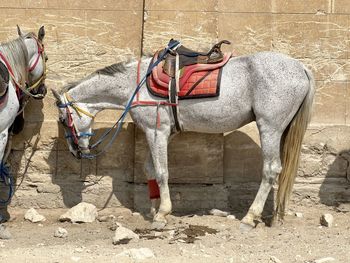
153 189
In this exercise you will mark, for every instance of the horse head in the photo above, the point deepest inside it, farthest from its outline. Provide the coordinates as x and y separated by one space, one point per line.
76 122
37 59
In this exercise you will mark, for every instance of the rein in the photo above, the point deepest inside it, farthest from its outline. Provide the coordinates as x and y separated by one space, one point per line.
119 123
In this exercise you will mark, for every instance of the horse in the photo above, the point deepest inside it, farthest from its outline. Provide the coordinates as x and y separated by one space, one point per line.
22 76
272 89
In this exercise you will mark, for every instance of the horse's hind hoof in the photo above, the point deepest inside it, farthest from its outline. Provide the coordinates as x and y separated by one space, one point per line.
156 225
244 228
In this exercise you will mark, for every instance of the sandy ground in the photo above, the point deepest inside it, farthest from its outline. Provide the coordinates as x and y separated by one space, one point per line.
297 240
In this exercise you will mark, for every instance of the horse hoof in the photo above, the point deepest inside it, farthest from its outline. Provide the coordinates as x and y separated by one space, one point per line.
244 228
157 225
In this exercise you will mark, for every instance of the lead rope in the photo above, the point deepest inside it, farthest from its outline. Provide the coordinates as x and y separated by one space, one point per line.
118 125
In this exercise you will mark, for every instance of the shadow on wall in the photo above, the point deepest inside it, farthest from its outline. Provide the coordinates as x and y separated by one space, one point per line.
91 180
29 136
335 188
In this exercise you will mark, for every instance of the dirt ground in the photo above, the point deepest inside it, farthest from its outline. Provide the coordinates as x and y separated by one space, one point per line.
297 240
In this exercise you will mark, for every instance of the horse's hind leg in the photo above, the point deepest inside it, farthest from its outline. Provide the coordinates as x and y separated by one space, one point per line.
270 145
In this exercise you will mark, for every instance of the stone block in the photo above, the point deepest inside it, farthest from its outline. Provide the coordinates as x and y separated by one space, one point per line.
161 26
328 95
341 6
300 6
248 32
167 5
245 6
36 135
193 158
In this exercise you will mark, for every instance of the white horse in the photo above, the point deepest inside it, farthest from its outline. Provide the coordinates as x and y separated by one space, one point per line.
23 75
272 89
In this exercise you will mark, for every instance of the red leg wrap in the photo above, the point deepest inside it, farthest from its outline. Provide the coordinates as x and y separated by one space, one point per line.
153 189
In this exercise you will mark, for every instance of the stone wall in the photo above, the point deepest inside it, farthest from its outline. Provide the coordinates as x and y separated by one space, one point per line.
86 35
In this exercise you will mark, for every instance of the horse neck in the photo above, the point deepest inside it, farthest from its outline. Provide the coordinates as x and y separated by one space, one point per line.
16 54
100 91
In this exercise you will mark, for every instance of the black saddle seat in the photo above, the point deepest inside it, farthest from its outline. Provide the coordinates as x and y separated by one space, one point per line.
190 57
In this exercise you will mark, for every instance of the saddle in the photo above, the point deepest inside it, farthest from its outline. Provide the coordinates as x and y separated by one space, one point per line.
190 57
199 73
186 74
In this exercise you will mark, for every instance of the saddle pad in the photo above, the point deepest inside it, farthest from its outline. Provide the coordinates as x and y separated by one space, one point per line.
197 81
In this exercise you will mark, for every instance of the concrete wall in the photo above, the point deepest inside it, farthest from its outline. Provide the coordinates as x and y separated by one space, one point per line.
86 35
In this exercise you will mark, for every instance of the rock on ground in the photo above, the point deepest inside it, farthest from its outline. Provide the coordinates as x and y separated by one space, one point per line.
324 260
124 235
327 220
135 255
81 213
4 233
61 233
217 212
33 216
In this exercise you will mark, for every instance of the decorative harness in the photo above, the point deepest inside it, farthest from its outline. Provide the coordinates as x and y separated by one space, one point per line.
26 90
69 104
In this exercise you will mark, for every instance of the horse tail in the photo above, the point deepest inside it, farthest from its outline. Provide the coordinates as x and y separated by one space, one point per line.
291 147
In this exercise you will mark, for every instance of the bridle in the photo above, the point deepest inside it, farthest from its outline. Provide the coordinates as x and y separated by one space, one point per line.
26 90
40 54
69 104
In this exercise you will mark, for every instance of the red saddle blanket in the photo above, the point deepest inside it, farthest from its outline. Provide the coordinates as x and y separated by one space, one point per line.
196 81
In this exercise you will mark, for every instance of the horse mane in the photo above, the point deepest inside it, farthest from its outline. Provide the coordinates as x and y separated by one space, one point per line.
16 53
108 71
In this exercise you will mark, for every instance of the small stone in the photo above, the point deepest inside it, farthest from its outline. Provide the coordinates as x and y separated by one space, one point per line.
2 244
231 217
136 214
33 216
61 233
102 219
124 235
4 233
81 213
135 254
323 260
40 225
217 212
327 220
75 259
298 214
275 260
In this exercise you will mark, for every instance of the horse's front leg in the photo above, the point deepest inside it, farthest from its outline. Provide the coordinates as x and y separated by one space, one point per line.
158 144
152 183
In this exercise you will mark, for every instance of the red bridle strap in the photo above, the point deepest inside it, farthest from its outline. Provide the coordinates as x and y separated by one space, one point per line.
40 51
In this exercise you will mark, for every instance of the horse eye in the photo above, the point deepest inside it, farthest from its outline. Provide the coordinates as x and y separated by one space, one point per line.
46 58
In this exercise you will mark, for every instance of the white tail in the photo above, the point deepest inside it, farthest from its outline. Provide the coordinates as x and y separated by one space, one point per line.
293 138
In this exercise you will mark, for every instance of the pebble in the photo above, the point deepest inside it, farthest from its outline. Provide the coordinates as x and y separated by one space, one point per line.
231 217
81 213
4 233
33 216
327 220
61 232
298 214
136 254
217 212
275 260
323 260
124 235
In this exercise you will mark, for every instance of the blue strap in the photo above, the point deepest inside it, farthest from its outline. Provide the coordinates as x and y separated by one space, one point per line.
7 179
119 122
80 134
64 105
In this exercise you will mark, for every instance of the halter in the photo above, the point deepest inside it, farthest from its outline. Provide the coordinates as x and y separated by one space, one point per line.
74 133
26 90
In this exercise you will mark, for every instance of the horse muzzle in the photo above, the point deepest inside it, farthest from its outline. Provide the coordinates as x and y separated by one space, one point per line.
39 92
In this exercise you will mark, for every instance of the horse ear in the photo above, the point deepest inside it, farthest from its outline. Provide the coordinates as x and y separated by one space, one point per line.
19 31
41 33
56 95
